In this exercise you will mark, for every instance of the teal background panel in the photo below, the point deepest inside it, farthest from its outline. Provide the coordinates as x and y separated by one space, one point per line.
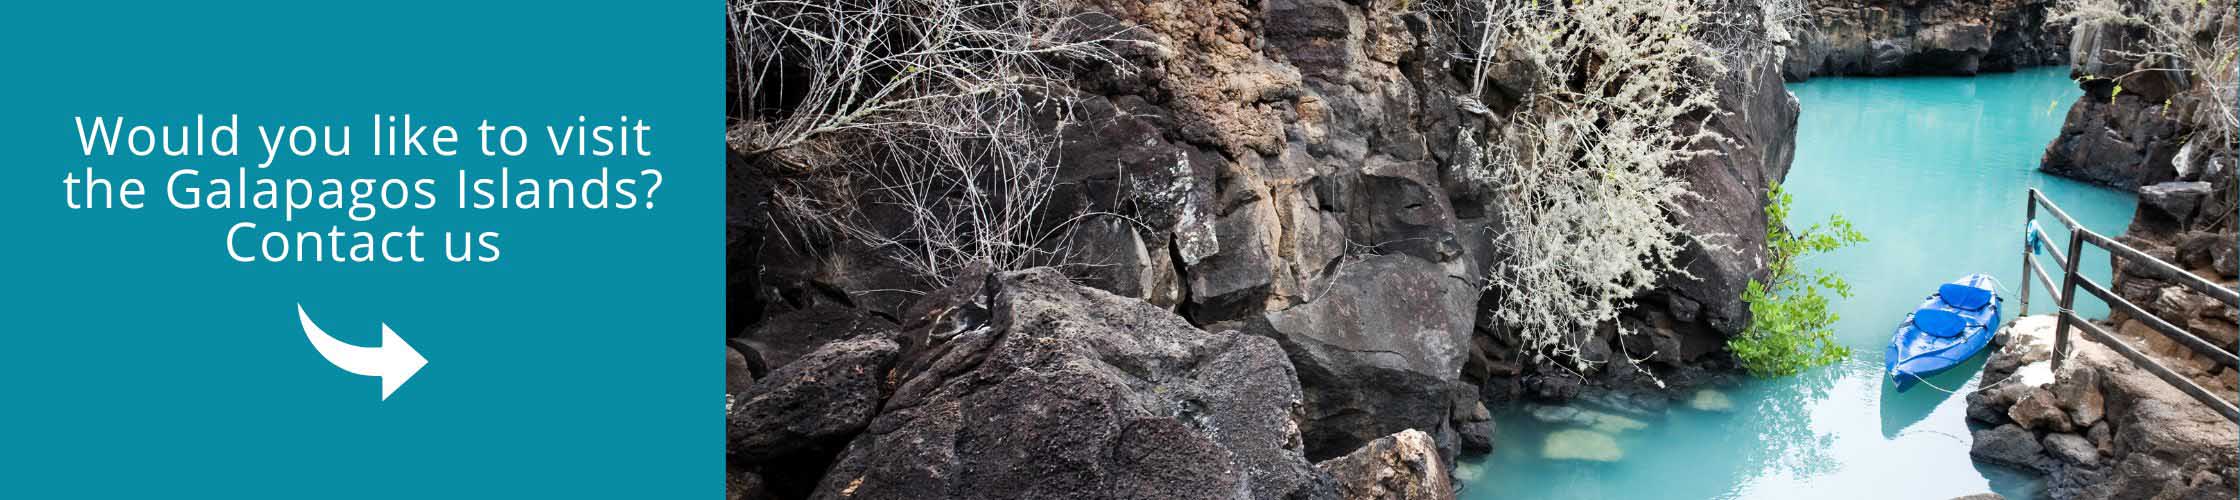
139 360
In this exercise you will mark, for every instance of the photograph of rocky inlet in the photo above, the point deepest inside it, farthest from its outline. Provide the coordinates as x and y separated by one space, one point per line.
1481 249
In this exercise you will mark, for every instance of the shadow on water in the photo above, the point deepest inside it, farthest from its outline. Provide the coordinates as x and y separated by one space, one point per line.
1901 410
2014 483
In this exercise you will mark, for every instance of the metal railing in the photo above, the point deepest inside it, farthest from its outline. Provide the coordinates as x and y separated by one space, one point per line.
2071 282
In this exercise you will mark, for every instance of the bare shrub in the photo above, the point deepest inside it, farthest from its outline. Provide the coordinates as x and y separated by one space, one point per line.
1748 35
913 127
1581 169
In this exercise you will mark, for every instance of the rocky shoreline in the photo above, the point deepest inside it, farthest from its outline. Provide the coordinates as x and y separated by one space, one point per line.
1889 37
2102 427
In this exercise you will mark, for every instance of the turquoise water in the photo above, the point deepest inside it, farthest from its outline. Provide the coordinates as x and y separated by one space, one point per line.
1934 171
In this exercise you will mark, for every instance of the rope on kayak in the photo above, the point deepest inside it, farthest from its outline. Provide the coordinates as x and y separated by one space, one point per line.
1979 387
1982 386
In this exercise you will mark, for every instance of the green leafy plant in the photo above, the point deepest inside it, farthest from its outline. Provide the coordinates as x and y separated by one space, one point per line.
1791 328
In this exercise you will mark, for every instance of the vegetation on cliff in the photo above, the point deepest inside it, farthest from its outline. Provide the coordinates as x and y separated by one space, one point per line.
2193 42
1611 97
1791 327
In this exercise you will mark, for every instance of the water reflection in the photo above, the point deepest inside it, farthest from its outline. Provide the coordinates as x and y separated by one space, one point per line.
1788 444
1901 410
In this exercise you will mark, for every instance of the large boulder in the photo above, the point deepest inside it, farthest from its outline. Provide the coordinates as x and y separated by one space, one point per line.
2071 448
1376 353
2039 411
790 335
2176 200
2010 445
1074 392
1402 466
825 396
2117 140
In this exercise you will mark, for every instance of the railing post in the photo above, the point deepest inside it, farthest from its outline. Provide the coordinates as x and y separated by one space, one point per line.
2068 297
2029 214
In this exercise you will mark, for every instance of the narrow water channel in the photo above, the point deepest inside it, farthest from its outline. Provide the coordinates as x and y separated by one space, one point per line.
1934 170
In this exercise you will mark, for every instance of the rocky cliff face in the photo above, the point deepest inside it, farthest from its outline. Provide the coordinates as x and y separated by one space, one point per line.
1929 37
1030 386
1288 169
2104 428
2156 133
2137 125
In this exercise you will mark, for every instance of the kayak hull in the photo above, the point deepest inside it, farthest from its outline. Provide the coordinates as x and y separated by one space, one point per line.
1916 352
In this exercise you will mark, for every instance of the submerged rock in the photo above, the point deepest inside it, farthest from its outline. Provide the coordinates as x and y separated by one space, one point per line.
1604 422
1403 466
1613 424
2009 445
1467 472
1580 444
1711 400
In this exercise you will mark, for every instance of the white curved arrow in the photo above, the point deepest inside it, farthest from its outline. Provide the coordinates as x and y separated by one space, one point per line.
394 361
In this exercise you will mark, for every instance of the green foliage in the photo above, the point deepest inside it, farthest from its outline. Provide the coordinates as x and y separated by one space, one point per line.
1791 327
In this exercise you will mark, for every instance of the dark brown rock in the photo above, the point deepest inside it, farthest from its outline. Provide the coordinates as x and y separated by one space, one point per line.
1884 37
1402 466
823 398
2176 200
2071 448
738 375
1375 354
1075 392
2040 410
2012 446
791 335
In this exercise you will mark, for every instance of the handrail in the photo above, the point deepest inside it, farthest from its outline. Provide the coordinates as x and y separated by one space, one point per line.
2040 199
2055 253
2071 281
2229 296
2168 330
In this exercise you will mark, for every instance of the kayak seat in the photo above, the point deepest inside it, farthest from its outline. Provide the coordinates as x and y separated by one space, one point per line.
1964 297
1940 323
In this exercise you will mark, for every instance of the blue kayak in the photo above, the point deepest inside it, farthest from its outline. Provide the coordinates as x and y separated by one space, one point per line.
1950 327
